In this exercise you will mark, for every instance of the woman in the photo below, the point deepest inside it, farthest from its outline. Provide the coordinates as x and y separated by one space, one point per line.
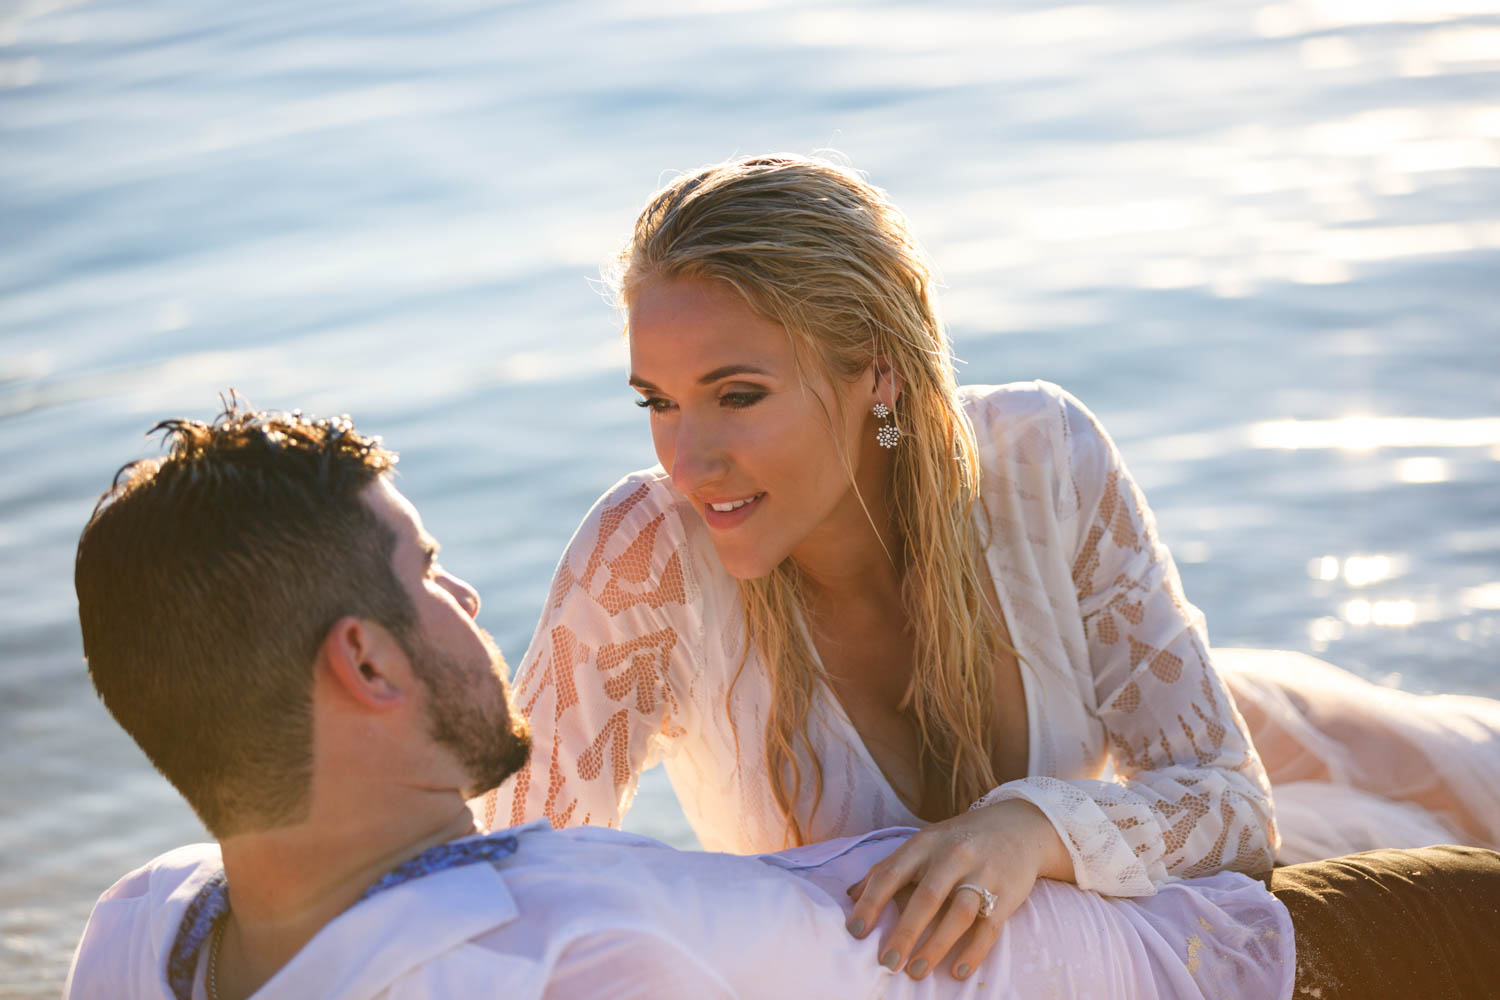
854 595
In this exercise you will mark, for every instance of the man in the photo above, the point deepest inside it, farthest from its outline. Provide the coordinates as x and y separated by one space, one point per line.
263 612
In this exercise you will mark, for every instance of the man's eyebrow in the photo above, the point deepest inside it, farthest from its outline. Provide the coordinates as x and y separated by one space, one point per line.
722 372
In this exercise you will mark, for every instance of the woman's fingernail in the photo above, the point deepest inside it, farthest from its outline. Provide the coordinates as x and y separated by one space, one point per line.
891 959
918 967
961 971
857 927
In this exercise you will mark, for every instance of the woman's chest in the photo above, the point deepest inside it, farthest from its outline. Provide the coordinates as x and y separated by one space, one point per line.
871 676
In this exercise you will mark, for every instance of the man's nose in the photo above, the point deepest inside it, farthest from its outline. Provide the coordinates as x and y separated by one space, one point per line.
467 596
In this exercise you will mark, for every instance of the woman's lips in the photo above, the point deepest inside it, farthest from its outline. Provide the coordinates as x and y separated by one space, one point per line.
722 519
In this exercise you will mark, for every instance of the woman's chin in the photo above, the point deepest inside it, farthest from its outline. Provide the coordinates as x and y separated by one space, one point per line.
746 565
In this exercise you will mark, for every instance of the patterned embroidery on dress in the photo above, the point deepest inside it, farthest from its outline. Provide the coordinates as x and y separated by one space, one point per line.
646 675
616 732
1113 519
563 654
1134 601
634 566
1215 730
1167 667
630 580
1189 809
1251 854
1126 754
1128 700
561 657
609 522
557 816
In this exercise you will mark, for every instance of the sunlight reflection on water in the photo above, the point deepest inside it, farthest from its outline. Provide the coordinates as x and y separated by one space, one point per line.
1259 239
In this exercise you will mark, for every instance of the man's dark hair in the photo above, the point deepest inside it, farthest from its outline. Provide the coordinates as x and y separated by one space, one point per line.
206 582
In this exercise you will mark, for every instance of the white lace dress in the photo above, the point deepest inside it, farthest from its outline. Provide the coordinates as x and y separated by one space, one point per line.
1137 752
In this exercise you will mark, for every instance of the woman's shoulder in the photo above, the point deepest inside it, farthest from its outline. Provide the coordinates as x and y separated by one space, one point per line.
638 523
633 549
637 499
1036 438
1016 411
1014 402
1036 417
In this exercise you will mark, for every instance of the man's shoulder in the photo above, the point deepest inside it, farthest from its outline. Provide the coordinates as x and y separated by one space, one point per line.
121 952
567 851
162 876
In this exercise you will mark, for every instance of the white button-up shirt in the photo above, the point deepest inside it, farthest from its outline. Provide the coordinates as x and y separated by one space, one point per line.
590 912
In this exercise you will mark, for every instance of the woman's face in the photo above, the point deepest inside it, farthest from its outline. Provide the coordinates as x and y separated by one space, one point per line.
756 445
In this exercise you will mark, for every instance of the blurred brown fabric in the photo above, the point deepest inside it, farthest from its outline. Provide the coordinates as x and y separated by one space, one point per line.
1421 923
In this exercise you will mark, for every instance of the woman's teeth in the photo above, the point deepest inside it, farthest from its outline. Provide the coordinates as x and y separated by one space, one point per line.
735 504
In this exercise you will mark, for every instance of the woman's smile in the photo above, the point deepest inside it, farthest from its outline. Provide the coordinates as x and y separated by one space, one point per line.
723 515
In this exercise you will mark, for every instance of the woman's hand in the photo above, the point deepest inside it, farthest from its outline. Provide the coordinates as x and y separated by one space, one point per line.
1002 848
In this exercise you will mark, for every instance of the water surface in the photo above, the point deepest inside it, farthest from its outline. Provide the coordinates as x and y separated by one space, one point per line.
1260 240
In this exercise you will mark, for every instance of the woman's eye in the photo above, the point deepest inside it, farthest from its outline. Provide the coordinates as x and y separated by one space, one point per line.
653 403
740 400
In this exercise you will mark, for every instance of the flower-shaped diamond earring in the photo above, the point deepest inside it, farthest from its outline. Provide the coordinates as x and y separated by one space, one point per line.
887 435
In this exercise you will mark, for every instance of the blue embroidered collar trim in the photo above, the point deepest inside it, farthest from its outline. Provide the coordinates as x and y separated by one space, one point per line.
211 904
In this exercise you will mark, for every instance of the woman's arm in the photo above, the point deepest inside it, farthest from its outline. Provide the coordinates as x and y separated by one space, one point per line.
601 681
1191 797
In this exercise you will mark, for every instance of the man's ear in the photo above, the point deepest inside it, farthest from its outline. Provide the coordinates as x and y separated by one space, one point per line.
367 663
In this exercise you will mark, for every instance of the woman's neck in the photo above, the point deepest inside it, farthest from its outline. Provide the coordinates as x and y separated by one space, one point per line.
855 556
855 553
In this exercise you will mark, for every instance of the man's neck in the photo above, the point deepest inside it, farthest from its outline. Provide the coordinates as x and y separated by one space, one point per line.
286 884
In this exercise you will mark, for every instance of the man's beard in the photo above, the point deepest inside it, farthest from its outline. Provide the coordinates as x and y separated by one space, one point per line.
468 711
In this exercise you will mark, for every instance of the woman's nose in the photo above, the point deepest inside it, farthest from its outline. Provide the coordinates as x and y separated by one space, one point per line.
697 458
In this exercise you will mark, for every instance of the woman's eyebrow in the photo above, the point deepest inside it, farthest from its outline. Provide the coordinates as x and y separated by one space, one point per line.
722 372
725 371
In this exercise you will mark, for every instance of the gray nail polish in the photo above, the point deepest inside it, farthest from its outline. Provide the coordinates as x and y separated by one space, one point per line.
857 927
961 971
918 967
891 959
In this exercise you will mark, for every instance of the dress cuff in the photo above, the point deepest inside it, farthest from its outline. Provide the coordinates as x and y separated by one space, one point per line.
1103 860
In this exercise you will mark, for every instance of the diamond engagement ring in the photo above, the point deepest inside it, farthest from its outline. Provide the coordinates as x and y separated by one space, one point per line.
987 899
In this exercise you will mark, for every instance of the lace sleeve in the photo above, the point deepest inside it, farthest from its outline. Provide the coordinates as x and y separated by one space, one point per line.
603 681
1191 796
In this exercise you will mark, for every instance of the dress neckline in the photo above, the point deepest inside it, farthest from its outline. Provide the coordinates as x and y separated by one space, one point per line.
843 725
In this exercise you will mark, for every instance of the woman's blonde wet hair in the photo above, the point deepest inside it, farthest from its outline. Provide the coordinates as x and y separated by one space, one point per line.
811 245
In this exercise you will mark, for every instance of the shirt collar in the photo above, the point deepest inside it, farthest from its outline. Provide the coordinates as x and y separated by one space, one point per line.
211 903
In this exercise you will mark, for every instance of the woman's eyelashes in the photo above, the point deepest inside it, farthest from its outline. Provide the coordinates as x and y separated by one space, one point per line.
736 400
742 398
